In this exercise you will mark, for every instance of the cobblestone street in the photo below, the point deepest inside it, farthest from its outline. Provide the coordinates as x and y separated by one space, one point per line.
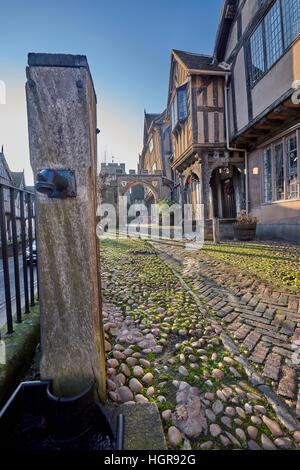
210 343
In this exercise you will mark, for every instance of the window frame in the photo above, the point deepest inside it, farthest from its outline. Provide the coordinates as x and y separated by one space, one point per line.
284 142
285 44
174 111
279 143
151 145
176 118
288 167
259 27
265 180
288 40
272 37
182 103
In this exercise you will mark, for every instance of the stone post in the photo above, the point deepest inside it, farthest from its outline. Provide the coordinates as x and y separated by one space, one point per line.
61 108
216 230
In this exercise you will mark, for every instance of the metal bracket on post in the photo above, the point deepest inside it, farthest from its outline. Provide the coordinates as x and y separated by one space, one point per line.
56 183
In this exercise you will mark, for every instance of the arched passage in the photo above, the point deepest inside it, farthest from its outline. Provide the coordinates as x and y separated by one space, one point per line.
150 193
135 202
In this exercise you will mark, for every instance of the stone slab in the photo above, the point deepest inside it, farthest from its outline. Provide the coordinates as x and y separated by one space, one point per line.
19 350
142 426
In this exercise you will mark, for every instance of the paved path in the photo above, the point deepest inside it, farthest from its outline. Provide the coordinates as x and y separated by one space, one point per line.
262 318
164 343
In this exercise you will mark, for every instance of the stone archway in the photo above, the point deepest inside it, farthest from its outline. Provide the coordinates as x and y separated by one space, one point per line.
146 185
156 184
158 187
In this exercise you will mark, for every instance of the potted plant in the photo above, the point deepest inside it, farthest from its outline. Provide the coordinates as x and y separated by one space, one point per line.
245 226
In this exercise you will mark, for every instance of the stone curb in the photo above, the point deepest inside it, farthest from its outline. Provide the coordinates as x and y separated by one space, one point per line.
278 406
20 347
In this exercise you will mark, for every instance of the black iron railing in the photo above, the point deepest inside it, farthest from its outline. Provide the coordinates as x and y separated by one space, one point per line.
18 276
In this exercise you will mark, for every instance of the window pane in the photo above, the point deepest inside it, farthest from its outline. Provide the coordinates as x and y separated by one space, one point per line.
268 175
273 35
174 112
172 115
182 104
291 20
292 167
279 172
175 108
257 55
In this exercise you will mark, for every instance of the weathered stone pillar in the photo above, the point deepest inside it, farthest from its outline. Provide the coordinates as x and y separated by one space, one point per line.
216 230
61 107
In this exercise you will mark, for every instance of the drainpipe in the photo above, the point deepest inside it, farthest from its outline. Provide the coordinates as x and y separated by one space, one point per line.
235 149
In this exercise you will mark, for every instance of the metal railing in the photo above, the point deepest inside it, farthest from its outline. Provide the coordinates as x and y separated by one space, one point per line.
18 277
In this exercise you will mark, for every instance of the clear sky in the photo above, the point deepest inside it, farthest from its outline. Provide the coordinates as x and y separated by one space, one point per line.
128 45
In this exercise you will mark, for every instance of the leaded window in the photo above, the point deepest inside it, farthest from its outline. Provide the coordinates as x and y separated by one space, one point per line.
279 172
182 104
268 187
174 112
291 20
179 106
292 167
273 35
257 54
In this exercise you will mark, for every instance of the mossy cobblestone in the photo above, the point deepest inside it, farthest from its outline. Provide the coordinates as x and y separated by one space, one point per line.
142 292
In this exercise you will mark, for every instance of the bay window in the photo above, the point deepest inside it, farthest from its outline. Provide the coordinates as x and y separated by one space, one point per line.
281 171
273 36
179 106
174 112
291 20
268 187
257 54
182 108
292 167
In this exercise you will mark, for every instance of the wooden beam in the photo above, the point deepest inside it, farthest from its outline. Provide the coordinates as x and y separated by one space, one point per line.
276 117
250 136
257 132
263 127
290 105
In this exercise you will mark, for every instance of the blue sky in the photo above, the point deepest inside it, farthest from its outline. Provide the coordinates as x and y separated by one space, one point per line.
128 45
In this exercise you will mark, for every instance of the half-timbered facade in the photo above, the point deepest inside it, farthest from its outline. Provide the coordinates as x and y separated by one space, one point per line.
235 118
15 180
157 146
7 179
209 173
157 150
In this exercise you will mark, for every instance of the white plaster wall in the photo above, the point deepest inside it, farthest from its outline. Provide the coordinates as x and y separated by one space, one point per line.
232 41
277 81
240 91
273 85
